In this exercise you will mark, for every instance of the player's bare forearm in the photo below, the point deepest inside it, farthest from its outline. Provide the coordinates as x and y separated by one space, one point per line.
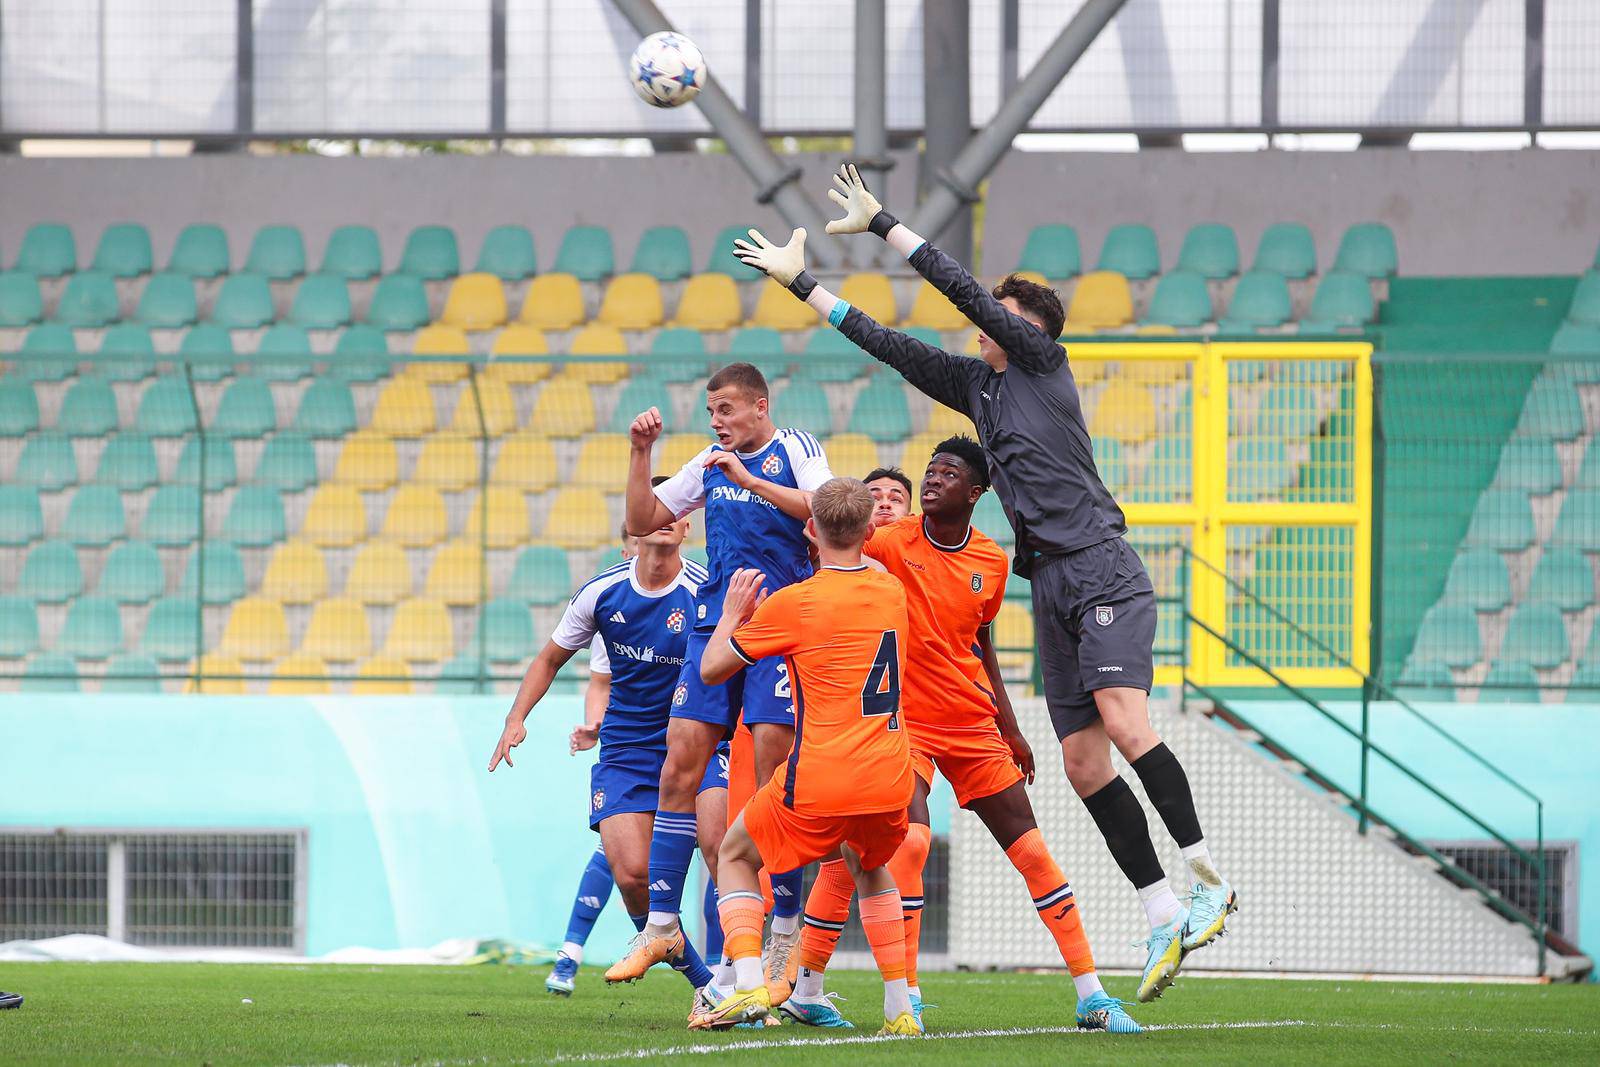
795 503
537 680
596 698
719 661
643 511
1005 715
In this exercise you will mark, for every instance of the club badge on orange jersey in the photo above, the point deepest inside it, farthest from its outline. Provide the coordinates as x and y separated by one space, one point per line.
977 582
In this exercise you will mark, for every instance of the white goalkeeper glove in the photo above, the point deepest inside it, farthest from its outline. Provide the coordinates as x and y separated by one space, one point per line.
784 264
863 213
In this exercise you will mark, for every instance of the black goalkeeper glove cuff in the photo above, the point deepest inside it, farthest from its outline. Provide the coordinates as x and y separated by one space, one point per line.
882 223
802 285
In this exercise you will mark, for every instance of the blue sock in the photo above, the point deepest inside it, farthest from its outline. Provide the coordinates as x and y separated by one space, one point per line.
594 889
672 845
690 965
638 920
713 924
786 894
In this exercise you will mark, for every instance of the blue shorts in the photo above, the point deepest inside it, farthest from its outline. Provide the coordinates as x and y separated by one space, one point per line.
627 779
762 691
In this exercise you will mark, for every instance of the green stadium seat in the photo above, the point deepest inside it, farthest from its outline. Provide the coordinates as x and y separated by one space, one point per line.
208 351
284 353
1583 685
128 462
19 408
1181 300
1449 635
51 573
95 518
173 517
21 518
89 410
19 627
881 411
508 254
1168 471
1536 636
1258 467
1529 464
353 253
124 251
1112 465
1210 250
255 518
127 354
805 404
761 345
1588 470
288 462
1577 339
508 630
1287 248
168 301
246 409
201 251
1479 580
723 261
50 673
1052 250
1585 306
170 632
1260 299
131 672
133 574
243 303
1509 682
48 354
1502 520
328 409
830 356
586 254
642 391
459 677
1425 679
1553 409
990 517
1342 299
223 572
399 303
361 355
48 464
20 302
321 303
48 250
1368 249
678 354
1563 578
542 575
89 300
663 253
1288 411
278 253
1131 250
166 409
431 254
1578 526
93 629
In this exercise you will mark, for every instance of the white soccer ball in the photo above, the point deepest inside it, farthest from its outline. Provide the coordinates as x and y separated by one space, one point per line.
667 70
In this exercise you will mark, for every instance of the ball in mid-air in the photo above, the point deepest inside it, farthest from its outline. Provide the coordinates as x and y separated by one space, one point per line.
667 70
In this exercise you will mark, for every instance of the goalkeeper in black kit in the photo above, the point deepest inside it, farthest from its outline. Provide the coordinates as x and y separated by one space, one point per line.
1093 604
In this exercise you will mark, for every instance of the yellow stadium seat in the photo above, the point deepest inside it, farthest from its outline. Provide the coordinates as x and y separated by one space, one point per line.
420 632
476 302
933 311
597 340
1088 371
449 461
554 302
457 575
603 462
564 409
256 630
871 293
1102 301
299 675
488 408
632 302
527 461
376 678
970 347
674 450
368 461
851 454
439 340
296 574
338 630
946 421
778 309
579 519
709 302
1156 329
1123 410
1154 372
229 685
916 453
508 518
404 408
519 339
381 574
416 517
335 518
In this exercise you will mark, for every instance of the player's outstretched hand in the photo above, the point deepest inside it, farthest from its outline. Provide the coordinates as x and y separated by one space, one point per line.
645 428
744 594
513 735
1021 752
782 264
584 737
850 193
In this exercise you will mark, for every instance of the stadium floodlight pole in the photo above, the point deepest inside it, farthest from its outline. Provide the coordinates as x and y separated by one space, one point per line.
871 149
958 184
775 183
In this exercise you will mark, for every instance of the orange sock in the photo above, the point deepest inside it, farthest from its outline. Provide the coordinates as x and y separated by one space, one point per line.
906 866
827 910
742 916
882 919
1052 895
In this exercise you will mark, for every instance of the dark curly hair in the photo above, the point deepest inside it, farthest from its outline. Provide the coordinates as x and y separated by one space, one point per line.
1038 300
969 452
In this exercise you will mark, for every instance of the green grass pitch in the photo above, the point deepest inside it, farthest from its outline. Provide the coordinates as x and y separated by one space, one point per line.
196 1013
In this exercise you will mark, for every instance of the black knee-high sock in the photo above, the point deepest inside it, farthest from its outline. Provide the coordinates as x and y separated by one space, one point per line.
1121 820
1168 789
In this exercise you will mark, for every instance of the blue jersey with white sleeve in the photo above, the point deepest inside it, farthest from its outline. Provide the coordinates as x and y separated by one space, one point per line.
742 529
644 632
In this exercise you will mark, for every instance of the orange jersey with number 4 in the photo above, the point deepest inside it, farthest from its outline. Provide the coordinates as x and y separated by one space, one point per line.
842 632
951 590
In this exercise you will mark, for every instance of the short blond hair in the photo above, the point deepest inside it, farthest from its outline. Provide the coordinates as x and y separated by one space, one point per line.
842 510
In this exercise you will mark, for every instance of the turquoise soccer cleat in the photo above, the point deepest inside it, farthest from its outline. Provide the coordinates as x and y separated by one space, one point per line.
1166 954
916 1007
1101 1011
1209 908
819 1012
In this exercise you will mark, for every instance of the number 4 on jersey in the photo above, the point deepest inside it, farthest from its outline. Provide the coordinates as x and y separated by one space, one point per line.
881 693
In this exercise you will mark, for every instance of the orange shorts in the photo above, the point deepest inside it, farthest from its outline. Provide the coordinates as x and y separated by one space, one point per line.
789 839
975 760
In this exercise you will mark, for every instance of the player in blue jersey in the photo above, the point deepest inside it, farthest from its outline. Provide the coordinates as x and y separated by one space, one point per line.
755 484
642 609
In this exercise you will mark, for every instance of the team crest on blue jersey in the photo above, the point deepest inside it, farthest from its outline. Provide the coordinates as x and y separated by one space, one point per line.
675 620
977 582
599 799
772 466
680 696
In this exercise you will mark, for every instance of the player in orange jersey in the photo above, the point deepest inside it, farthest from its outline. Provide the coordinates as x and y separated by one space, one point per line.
961 721
848 779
